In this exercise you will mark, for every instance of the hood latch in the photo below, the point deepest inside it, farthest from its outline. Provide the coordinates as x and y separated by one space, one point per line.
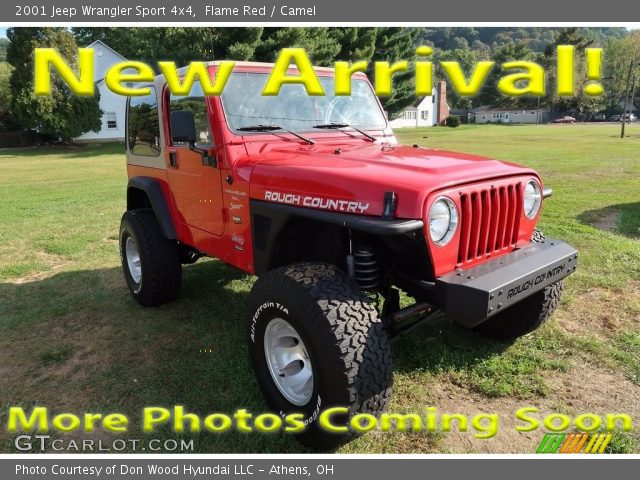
389 205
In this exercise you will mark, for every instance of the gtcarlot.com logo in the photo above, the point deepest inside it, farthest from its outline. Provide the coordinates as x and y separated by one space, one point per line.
574 443
43 443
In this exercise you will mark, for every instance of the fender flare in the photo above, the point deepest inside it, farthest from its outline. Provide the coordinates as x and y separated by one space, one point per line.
158 201
268 219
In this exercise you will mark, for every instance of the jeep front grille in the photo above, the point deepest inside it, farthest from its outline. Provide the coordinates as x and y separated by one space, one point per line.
490 220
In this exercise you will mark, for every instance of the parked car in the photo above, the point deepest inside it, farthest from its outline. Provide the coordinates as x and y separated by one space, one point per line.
313 195
629 117
565 119
599 117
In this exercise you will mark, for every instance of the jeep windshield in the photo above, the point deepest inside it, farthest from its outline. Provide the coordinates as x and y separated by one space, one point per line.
293 109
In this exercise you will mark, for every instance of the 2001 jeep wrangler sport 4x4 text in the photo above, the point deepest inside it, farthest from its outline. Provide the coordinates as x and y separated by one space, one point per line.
313 195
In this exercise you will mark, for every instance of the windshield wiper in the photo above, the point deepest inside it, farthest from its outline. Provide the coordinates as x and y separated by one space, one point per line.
273 128
338 126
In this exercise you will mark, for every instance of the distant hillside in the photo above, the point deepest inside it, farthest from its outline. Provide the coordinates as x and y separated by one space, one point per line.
489 38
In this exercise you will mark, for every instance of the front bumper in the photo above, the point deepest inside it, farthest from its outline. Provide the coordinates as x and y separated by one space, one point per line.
473 295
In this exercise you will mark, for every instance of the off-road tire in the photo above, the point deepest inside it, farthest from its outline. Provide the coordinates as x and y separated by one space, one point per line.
159 258
538 236
527 315
347 345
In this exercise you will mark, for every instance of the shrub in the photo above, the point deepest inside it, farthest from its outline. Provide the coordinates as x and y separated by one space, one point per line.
452 121
18 138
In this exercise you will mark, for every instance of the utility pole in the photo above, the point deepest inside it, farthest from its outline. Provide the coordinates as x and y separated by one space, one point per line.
633 93
626 98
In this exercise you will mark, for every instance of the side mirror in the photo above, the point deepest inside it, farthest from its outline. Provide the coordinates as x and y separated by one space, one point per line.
183 127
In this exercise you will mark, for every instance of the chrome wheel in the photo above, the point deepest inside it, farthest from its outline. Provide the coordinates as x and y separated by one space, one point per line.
133 260
288 361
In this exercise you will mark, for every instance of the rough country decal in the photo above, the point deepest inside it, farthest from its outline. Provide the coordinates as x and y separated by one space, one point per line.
533 281
317 202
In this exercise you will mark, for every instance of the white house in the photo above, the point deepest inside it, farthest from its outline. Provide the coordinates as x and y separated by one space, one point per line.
426 111
112 105
487 114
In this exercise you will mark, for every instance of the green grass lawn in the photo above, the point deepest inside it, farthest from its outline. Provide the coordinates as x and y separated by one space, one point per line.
73 339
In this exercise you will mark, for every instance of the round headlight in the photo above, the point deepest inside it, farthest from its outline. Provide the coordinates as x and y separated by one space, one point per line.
532 198
443 220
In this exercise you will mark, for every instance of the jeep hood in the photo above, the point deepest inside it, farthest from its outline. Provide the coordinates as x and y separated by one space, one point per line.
364 173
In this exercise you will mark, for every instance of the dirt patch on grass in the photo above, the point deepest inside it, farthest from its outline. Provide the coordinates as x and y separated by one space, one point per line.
5 371
582 389
586 388
608 221
454 399
600 312
59 353
74 366
55 263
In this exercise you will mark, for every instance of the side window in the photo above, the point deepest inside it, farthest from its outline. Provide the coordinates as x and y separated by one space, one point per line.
194 102
143 126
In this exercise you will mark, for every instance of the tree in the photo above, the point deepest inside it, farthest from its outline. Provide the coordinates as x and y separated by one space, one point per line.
5 92
61 115
619 52
4 44
580 102
6 121
356 43
467 59
235 43
489 94
144 44
183 45
318 42
394 44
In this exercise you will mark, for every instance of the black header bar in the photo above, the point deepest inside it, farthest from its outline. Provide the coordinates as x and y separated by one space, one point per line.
398 12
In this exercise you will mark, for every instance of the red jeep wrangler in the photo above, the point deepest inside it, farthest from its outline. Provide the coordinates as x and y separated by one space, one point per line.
314 196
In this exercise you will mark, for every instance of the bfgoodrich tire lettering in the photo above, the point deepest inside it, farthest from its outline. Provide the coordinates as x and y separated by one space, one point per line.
161 269
344 337
527 315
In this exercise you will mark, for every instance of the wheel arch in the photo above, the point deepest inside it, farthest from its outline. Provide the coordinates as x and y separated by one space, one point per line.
285 234
148 192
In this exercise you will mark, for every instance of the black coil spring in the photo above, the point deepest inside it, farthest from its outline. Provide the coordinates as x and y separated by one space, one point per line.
366 268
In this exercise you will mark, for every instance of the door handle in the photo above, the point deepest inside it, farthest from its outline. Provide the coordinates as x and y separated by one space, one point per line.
173 159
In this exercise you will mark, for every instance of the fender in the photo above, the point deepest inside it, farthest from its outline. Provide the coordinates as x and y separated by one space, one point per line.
157 201
268 219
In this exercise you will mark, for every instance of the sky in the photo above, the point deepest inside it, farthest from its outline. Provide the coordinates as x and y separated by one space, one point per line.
3 32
